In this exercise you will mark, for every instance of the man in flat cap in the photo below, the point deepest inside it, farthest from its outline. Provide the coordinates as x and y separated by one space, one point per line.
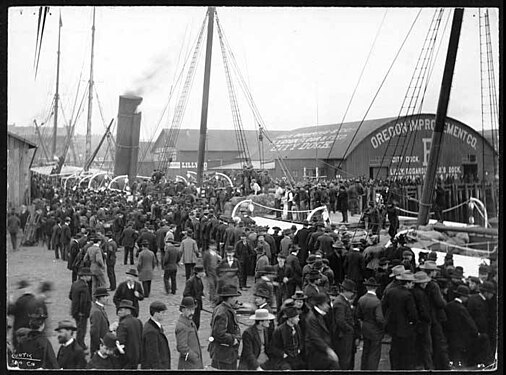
71 354
105 358
155 346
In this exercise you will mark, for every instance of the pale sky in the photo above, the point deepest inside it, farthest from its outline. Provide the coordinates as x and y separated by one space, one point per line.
301 64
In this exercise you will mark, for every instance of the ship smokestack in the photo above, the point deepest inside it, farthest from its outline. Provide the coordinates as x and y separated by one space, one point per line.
127 136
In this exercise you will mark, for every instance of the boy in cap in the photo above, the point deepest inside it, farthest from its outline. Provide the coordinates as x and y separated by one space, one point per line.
155 351
187 339
105 358
71 354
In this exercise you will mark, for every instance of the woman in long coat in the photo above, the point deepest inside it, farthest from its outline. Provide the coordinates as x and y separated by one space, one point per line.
187 339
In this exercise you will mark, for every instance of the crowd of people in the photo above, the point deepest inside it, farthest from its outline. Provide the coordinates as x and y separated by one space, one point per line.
319 293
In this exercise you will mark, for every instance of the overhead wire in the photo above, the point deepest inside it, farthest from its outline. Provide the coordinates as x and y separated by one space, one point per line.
358 83
380 87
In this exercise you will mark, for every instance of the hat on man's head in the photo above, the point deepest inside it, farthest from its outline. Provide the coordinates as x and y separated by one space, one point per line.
109 340
429 265
100 292
66 324
132 271
318 299
290 312
432 256
421 277
187 303
406 276
314 275
127 304
262 291
488 286
334 291
397 270
311 258
262 314
462 290
276 229
371 281
85 271
349 285
338 245
407 253
230 249
383 261
228 290
145 243
474 279
157 306
299 294
198 268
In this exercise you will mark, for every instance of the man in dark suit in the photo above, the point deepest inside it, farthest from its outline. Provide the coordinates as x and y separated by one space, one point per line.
171 258
129 333
22 308
256 339
354 269
56 238
479 309
131 290
155 351
65 237
293 271
370 314
423 342
225 330
71 354
228 268
81 303
194 288
243 251
344 331
324 243
317 340
301 239
311 245
401 318
127 240
460 328
74 249
288 342
99 322
110 249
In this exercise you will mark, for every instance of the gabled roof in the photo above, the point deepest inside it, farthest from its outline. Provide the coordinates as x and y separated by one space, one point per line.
21 139
318 140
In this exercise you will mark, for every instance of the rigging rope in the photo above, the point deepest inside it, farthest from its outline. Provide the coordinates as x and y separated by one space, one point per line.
379 88
358 83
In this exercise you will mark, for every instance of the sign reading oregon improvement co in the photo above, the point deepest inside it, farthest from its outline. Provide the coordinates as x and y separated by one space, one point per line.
419 124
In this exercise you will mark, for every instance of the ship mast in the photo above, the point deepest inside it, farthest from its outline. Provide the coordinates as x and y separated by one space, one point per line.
442 108
90 98
205 97
57 95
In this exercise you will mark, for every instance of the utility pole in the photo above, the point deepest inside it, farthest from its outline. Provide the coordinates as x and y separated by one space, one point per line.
442 108
56 95
90 97
205 97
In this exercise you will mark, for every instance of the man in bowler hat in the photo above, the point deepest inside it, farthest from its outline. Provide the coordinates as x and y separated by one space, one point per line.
130 289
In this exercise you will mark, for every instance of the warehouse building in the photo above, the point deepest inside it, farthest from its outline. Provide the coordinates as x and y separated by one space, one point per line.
383 147
20 154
